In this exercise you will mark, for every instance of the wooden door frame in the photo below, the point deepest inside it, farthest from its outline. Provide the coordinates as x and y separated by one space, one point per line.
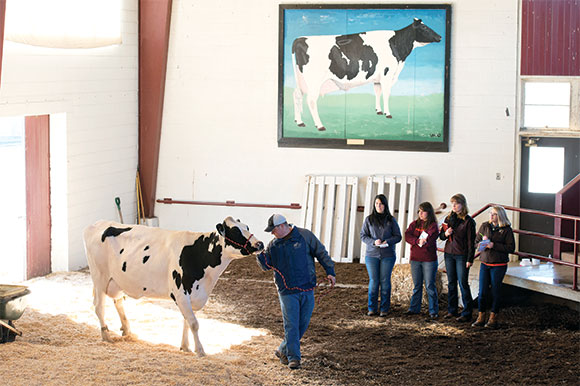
38 219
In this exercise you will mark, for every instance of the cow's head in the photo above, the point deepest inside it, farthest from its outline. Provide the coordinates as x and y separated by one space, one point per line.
237 235
424 34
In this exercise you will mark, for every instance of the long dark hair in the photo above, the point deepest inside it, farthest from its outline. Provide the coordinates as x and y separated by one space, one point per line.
377 218
427 207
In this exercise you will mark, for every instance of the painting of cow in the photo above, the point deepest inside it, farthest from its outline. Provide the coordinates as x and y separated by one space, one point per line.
368 76
142 261
326 63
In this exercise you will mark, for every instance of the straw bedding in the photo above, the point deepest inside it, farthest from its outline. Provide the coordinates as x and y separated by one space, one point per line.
241 325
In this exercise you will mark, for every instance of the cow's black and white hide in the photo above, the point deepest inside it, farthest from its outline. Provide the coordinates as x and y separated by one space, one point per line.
142 261
328 63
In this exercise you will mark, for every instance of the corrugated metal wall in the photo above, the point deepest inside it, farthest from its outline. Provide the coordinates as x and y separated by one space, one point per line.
551 37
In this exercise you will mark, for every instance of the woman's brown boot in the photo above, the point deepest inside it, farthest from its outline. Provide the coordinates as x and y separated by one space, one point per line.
480 322
492 322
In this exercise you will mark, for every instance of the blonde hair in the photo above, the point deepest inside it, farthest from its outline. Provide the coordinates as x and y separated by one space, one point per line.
460 199
502 217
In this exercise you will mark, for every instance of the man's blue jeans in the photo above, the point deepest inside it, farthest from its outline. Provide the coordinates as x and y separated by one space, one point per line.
296 312
379 271
424 270
455 265
489 275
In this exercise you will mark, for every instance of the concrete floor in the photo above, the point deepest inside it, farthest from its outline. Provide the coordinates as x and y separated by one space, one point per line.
549 279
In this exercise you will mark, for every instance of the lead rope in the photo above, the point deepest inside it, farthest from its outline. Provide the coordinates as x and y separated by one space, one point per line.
321 293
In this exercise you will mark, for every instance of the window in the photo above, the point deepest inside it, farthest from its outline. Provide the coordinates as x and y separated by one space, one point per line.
64 23
546 172
550 104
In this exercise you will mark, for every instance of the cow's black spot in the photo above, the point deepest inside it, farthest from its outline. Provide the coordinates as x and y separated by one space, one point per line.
350 55
300 51
194 259
112 231
177 278
173 297
121 251
386 70
145 259
146 248
124 269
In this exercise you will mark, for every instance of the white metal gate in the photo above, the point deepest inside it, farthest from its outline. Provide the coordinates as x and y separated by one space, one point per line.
329 210
402 195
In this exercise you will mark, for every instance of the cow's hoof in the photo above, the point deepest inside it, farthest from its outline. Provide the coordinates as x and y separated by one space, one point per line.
129 336
389 116
379 113
105 336
185 349
200 353
301 125
322 128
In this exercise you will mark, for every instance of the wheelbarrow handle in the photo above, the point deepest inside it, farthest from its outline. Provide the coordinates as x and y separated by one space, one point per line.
10 328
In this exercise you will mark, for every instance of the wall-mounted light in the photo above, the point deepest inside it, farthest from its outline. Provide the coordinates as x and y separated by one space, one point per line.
531 142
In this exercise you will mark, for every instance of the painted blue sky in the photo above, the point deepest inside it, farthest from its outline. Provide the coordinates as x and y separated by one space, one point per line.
429 61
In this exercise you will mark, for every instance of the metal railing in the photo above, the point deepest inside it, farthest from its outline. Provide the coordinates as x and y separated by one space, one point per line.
575 242
167 200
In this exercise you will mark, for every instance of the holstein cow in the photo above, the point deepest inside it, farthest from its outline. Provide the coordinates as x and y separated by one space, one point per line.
327 63
141 261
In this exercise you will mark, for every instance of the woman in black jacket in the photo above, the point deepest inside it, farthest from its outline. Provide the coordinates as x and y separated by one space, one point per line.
380 232
458 231
496 239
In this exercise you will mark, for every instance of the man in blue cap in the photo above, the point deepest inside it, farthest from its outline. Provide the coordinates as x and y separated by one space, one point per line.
291 256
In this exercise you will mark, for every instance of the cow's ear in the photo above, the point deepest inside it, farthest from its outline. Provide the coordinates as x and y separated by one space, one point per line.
220 228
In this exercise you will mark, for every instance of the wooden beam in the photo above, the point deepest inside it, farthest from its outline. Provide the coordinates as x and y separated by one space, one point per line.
154 23
2 20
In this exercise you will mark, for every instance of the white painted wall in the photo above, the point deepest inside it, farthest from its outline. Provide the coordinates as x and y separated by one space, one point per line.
219 138
92 97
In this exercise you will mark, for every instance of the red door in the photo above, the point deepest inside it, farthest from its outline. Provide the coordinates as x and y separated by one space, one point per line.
37 195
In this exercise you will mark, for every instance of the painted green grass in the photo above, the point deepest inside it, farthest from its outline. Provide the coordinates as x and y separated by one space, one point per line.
418 118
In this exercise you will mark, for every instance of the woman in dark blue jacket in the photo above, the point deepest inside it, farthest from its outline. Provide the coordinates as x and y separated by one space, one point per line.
380 232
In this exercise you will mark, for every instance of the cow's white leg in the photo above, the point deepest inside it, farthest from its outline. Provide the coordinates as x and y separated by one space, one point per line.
185 337
298 99
387 84
184 304
99 302
386 96
124 322
378 91
313 106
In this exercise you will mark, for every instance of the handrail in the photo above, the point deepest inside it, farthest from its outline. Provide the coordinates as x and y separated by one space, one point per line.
531 211
167 200
574 241
569 185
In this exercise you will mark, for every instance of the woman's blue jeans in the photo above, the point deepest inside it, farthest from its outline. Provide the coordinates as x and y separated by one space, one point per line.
490 276
427 271
296 312
379 270
455 265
